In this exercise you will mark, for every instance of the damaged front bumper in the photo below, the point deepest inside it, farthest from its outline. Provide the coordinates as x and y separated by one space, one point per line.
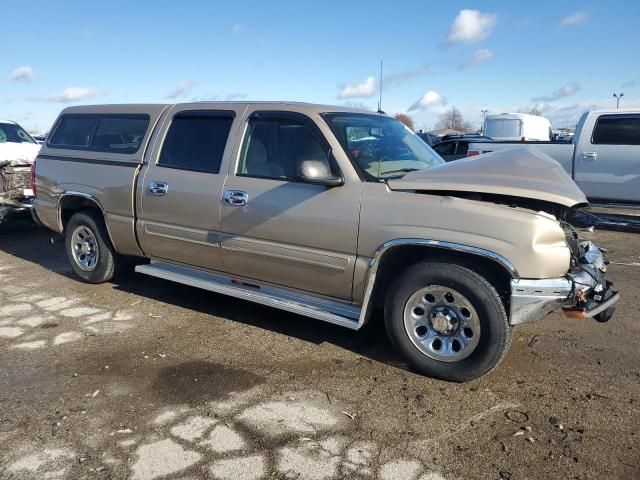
584 292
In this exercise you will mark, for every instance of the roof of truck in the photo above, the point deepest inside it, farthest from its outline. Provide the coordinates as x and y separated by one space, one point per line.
620 111
137 107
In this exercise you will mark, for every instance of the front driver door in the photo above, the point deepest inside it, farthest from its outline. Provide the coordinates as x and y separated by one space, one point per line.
282 231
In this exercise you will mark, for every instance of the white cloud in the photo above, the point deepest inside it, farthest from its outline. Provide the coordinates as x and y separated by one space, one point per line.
566 90
24 74
430 100
630 83
368 88
238 28
577 18
471 26
397 78
480 56
69 95
181 90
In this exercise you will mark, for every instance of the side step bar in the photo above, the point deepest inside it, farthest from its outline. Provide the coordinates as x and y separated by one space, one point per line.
307 305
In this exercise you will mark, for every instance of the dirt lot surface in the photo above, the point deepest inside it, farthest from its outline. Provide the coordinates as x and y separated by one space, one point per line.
146 379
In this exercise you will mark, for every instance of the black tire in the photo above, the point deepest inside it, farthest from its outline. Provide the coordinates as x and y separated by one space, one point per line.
495 331
109 263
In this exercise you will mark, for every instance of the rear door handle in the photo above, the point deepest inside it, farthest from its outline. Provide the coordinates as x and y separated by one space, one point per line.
236 197
158 188
590 155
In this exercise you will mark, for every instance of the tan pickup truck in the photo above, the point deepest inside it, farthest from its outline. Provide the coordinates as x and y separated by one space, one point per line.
327 212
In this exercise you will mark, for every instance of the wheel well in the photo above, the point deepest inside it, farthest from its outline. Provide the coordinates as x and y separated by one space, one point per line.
398 259
71 204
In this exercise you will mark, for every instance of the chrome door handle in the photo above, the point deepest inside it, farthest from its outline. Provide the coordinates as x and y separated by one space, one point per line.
158 188
236 197
590 155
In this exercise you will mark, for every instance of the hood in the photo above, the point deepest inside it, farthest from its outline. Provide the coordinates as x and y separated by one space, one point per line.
18 153
524 172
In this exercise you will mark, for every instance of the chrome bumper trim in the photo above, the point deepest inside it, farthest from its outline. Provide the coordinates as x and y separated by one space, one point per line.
532 300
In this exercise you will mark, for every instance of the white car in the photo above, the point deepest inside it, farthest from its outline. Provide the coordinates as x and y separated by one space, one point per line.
18 151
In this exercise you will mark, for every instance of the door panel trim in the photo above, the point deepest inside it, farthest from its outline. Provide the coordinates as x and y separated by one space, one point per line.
307 256
191 235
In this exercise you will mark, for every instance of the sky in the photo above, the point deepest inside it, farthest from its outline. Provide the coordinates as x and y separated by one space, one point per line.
503 56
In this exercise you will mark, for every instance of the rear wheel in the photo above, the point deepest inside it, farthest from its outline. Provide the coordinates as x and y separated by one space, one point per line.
447 321
89 248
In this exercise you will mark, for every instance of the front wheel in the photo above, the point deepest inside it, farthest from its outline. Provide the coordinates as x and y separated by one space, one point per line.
447 321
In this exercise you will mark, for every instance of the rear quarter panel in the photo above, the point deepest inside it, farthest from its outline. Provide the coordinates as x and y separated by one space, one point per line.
106 178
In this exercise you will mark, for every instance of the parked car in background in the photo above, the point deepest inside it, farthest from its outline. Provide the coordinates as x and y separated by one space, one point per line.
518 127
430 138
454 147
327 212
603 158
18 150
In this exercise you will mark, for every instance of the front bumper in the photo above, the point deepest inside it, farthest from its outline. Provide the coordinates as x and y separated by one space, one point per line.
584 292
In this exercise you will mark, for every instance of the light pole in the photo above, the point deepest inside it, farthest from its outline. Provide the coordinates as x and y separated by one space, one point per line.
618 97
484 117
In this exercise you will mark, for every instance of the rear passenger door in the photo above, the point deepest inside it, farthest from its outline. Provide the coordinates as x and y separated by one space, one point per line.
181 187
608 161
278 229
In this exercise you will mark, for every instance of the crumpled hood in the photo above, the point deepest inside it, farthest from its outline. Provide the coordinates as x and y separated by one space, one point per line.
18 153
520 172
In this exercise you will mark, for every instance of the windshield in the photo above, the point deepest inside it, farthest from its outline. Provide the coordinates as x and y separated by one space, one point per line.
502 128
10 132
380 146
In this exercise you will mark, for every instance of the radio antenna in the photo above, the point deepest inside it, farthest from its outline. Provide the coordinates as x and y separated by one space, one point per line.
380 88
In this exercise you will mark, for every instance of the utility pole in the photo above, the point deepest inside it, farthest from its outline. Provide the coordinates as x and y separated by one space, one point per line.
618 97
484 117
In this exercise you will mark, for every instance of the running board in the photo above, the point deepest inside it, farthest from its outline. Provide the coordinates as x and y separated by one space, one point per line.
307 305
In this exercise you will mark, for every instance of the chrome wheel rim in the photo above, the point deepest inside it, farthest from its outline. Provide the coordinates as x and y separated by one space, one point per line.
84 248
442 323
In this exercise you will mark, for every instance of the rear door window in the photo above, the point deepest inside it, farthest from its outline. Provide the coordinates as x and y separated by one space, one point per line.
119 134
74 131
617 130
196 141
445 148
462 148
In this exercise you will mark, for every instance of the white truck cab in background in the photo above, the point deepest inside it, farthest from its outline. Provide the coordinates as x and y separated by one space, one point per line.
518 127
603 158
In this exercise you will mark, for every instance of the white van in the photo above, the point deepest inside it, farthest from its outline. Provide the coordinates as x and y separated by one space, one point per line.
518 127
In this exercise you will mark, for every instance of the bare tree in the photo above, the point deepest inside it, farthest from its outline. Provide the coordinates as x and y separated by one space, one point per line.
454 120
406 119
535 110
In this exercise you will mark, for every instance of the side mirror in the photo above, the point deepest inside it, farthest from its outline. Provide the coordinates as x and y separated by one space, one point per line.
317 172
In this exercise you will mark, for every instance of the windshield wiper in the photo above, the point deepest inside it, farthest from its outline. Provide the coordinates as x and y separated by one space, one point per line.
401 170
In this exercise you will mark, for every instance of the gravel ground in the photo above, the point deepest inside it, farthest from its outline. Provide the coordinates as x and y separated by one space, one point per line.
146 379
